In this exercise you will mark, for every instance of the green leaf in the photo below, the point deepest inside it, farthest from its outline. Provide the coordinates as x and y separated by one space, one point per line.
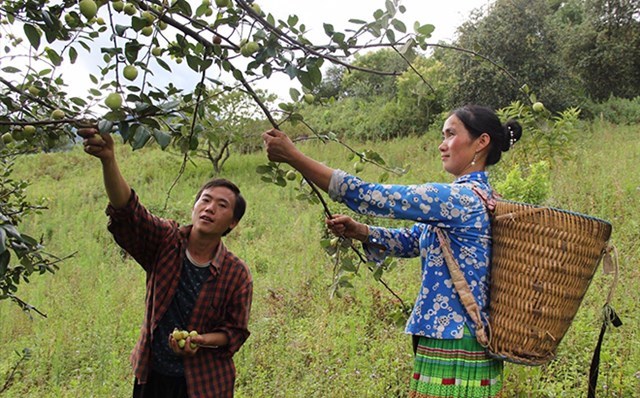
399 25
425 30
357 21
328 29
121 29
73 55
292 20
163 139
140 138
5 257
263 169
33 34
105 126
294 94
3 238
53 57
10 69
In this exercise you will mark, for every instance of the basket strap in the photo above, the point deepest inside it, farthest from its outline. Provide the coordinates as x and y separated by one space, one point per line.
462 287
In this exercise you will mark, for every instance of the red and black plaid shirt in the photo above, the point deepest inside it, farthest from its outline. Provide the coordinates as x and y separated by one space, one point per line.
223 304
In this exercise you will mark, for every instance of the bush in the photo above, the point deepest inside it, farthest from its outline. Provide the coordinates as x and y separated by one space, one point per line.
621 111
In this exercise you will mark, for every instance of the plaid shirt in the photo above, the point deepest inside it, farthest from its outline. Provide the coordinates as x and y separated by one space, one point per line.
223 305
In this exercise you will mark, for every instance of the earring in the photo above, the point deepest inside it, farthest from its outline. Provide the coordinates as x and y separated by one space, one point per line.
473 162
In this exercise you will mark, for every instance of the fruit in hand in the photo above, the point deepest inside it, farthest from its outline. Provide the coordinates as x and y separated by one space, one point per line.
113 101
180 336
130 72
88 8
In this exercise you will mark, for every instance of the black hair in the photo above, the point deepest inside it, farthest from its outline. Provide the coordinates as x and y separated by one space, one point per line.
240 205
480 119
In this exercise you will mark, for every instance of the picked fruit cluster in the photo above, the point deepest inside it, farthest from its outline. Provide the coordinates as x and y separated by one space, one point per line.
181 337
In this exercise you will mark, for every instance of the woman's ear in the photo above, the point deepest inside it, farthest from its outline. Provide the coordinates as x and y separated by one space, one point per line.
483 142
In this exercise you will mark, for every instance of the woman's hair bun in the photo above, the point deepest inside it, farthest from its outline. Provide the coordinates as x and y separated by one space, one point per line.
512 132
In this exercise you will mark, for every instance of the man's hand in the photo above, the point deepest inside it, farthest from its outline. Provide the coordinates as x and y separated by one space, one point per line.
345 226
95 144
279 146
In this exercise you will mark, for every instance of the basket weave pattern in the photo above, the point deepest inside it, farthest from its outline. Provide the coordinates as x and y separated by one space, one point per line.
542 264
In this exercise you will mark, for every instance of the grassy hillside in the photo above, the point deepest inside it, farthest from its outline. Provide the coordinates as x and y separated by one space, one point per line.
303 343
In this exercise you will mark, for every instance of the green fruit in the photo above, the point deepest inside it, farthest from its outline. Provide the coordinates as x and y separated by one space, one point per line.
34 90
309 98
29 131
88 8
185 334
206 3
193 346
148 17
291 175
256 8
538 107
334 242
130 72
181 343
129 9
177 335
156 51
193 333
118 5
249 48
57 114
162 25
113 101
359 166
100 21
7 138
71 20
222 3
147 31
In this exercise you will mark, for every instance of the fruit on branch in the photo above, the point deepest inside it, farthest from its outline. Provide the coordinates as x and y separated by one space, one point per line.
358 166
29 131
309 98
113 101
256 8
217 39
129 9
7 138
34 90
118 5
538 107
156 51
57 114
146 31
148 17
130 72
71 20
222 3
88 8
249 48
291 175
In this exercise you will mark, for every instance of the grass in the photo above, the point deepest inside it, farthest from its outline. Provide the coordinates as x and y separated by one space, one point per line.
303 342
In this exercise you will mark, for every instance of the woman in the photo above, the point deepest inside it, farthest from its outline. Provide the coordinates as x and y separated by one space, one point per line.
449 362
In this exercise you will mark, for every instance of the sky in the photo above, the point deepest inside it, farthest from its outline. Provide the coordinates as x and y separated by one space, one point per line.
445 16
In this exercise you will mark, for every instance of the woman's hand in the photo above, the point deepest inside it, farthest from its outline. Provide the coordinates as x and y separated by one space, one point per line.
345 226
279 146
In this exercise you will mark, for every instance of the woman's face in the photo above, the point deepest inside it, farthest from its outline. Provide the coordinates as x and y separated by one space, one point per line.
458 148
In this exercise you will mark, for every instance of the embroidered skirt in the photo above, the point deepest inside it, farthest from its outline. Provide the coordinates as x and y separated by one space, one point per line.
454 369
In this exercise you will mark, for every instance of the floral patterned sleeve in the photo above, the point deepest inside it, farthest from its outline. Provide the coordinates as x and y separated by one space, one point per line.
395 242
448 205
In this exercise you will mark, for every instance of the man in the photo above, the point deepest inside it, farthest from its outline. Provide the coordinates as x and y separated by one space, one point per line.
193 283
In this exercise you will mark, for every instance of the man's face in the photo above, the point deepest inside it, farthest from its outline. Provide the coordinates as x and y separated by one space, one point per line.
212 213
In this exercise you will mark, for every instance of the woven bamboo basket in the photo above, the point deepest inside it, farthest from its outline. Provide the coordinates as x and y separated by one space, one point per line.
542 264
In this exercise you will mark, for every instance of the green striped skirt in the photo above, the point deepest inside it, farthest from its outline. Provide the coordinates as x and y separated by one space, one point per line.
454 368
